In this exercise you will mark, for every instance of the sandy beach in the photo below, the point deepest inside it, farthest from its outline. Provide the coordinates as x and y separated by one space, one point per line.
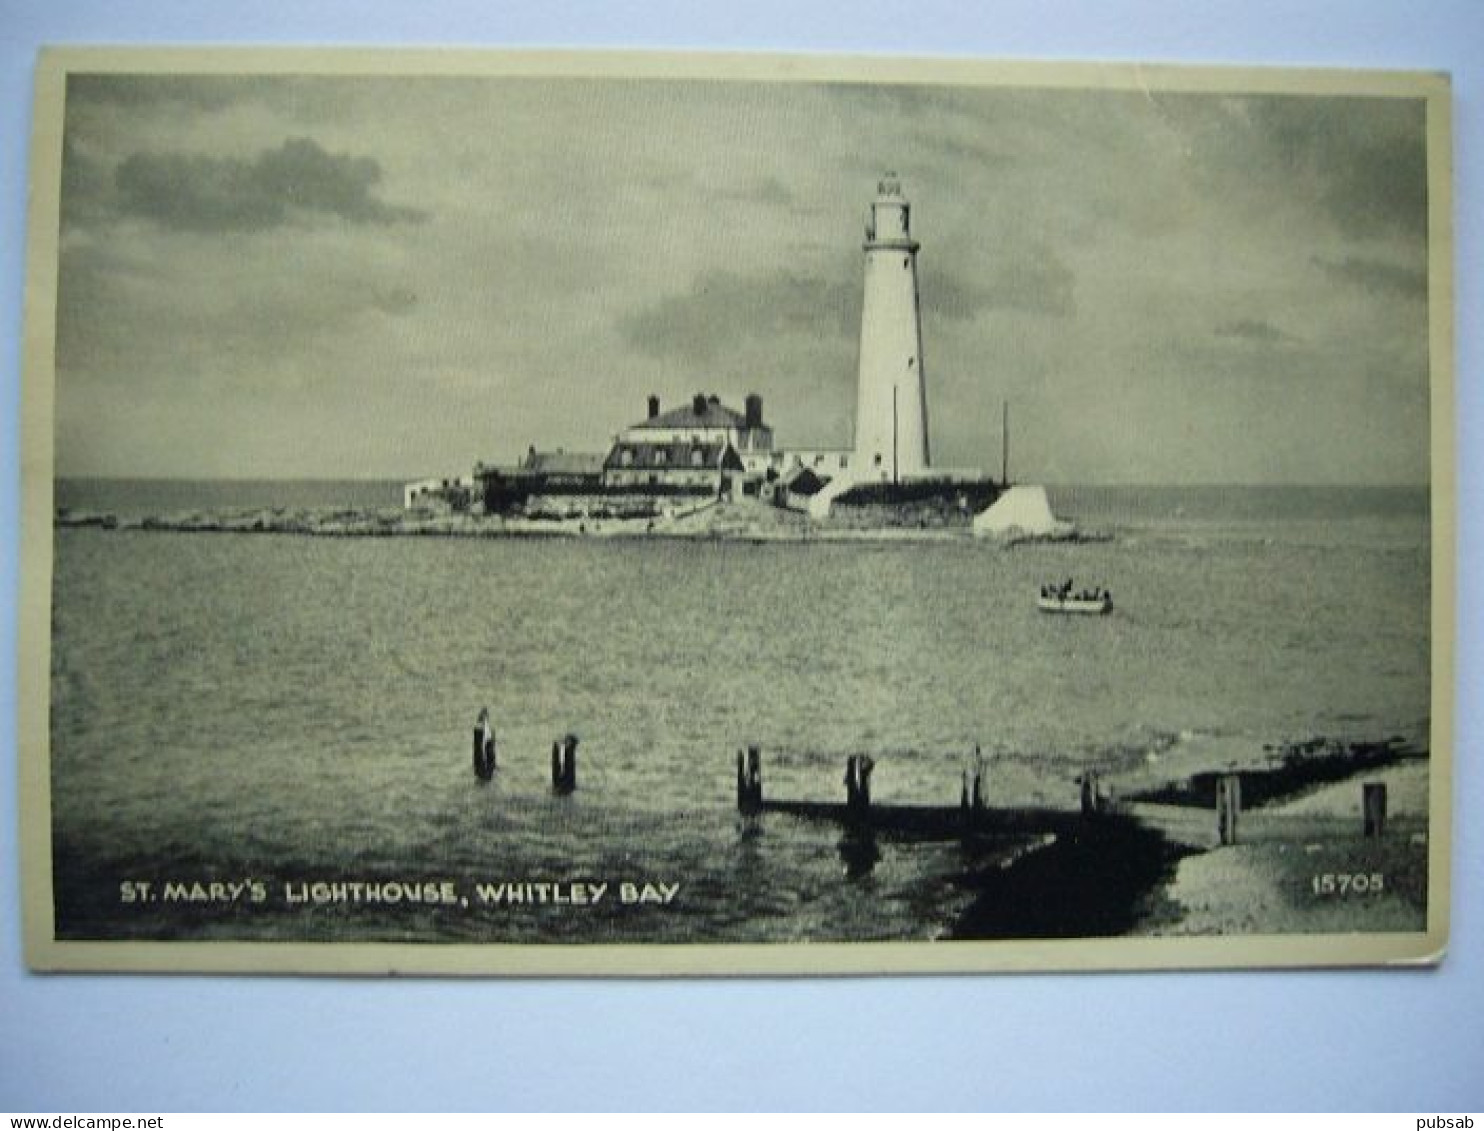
1303 865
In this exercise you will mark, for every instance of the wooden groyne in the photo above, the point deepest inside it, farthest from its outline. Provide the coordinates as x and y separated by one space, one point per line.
1032 871
932 821
1188 816
1229 825
1100 865
1099 868
972 815
1205 810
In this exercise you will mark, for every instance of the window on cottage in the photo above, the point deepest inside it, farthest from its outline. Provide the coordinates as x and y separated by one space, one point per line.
626 457
697 457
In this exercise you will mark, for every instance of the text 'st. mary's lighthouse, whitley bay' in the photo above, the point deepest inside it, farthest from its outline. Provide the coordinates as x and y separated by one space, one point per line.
891 427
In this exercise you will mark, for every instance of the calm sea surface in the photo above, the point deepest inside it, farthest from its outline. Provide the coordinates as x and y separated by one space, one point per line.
288 709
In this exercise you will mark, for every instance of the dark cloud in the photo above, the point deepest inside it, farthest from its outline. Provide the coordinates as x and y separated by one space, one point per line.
203 314
297 180
1377 276
726 310
766 190
87 188
1366 156
955 149
1015 274
1251 330
1038 284
195 92
919 103
395 301
932 126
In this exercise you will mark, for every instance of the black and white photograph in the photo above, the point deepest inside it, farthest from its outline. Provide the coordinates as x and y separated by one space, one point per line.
628 514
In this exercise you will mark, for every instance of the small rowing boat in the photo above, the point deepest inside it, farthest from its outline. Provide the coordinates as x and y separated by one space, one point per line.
1098 603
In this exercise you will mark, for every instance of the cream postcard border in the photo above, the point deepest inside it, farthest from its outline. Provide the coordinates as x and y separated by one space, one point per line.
44 952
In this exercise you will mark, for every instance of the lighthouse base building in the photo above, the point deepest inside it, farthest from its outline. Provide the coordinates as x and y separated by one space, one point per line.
700 450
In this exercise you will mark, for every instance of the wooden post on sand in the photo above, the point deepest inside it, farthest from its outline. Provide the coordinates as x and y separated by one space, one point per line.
1373 805
1228 806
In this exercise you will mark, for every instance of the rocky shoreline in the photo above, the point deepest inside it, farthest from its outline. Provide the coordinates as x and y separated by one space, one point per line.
741 522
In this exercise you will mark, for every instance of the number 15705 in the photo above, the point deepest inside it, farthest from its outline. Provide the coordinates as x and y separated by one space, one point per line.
1348 883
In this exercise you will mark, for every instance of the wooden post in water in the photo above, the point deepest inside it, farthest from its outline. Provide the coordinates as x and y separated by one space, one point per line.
571 768
484 754
1373 805
1091 801
858 769
1228 806
1004 443
484 746
750 782
564 764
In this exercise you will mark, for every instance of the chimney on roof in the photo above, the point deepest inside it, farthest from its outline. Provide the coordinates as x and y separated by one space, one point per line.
754 410
698 404
654 406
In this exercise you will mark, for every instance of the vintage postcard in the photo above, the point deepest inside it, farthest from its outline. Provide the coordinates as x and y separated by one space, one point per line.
608 514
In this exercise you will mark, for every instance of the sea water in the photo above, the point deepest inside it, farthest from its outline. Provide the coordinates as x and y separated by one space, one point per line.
277 710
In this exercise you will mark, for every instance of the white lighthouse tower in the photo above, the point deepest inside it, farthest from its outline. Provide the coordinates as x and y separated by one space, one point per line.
891 428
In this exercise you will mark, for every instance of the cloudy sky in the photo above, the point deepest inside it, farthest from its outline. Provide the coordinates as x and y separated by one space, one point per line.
391 277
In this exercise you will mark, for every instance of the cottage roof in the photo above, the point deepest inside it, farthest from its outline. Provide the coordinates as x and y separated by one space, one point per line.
804 481
714 414
679 454
562 463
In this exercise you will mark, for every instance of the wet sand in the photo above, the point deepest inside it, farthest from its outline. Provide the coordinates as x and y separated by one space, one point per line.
1156 867
1303 865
